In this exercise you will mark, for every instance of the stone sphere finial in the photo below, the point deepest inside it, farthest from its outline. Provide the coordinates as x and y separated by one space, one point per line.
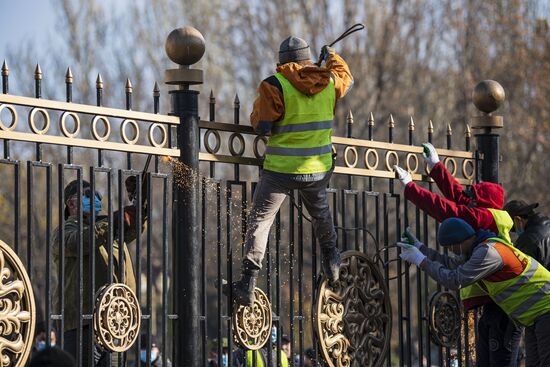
488 95
185 46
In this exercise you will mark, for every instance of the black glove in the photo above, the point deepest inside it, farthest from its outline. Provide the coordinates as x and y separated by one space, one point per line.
325 51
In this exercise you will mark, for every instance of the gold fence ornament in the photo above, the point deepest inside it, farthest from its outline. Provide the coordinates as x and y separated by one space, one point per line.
17 310
252 324
445 318
352 316
117 317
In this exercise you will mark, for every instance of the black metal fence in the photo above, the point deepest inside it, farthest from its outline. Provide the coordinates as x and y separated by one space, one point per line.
197 199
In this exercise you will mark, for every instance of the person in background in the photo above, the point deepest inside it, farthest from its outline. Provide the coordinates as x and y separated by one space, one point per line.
155 354
40 339
532 229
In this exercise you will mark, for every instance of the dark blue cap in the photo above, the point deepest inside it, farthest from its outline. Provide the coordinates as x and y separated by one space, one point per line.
453 231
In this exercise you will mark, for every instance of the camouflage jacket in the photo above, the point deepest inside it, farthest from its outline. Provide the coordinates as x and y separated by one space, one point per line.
101 258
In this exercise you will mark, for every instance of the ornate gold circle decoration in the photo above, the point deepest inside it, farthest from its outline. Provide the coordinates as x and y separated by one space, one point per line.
17 315
239 137
252 325
353 150
414 157
32 123
117 317
367 159
393 154
152 140
63 124
207 146
445 318
106 124
257 140
468 163
125 138
352 316
453 163
13 113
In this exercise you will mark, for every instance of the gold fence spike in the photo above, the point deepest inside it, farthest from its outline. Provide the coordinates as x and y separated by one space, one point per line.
391 122
449 129
349 117
5 69
468 132
128 85
156 90
430 127
38 72
69 76
411 124
370 121
99 82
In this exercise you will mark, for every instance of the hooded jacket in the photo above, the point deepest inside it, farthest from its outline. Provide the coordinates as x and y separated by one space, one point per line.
535 240
455 202
304 76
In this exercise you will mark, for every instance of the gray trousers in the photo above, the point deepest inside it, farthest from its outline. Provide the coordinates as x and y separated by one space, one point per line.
269 195
537 342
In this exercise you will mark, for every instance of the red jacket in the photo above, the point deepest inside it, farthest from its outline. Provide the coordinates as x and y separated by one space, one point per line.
455 203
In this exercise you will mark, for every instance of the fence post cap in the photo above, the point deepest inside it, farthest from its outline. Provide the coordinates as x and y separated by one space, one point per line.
185 46
488 96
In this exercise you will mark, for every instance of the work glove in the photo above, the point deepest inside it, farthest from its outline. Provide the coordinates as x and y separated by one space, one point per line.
411 254
408 237
430 155
325 51
403 176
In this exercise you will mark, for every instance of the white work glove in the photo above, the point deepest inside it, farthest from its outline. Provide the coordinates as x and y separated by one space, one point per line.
408 237
403 176
411 254
430 155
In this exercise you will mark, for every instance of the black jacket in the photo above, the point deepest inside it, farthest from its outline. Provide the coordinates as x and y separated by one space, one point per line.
535 240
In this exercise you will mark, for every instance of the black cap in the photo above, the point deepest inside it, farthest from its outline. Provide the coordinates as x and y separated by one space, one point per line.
519 208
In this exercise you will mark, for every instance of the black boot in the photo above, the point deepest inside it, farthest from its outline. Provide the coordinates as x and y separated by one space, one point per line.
330 263
243 289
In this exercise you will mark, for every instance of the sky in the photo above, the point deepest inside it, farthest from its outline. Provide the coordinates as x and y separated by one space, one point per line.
25 19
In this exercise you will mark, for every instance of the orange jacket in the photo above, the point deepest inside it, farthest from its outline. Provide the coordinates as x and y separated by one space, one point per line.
307 78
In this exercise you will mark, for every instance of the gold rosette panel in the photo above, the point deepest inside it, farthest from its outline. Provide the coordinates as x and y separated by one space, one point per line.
252 325
117 318
353 315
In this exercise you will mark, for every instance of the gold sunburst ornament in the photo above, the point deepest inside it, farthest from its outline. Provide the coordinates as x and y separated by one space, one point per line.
252 324
17 310
117 318
353 315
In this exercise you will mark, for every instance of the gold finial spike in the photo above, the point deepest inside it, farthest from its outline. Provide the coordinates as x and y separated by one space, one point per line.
468 132
349 117
370 121
38 72
211 94
449 129
237 102
69 76
128 85
391 122
411 124
5 69
156 90
430 127
99 82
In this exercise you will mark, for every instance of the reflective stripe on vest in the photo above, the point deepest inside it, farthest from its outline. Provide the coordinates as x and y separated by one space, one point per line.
504 223
526 296
301 142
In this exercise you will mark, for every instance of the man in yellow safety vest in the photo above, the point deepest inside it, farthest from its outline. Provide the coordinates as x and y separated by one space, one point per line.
295 107
516 282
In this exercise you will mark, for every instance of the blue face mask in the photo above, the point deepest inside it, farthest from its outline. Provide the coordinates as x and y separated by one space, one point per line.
274 335
143 356
41 345
87 206
225 360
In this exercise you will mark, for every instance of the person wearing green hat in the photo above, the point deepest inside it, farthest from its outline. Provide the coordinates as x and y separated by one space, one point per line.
82 202
516 282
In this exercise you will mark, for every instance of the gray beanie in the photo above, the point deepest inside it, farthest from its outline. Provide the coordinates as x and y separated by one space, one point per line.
293 49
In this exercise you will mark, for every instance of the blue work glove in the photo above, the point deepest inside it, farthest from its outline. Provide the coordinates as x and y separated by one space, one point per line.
411 254
409 238
430 155
403 176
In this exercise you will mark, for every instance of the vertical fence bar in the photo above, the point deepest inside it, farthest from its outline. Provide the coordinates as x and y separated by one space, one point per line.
370 125
99 103
38 94
5 90
349 120
407 270
69 98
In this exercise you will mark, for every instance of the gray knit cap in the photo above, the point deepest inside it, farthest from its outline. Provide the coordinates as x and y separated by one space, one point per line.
293 49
